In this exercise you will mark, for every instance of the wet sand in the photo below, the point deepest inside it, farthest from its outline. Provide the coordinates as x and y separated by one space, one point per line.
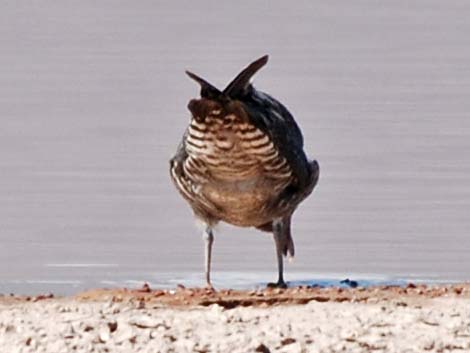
413 318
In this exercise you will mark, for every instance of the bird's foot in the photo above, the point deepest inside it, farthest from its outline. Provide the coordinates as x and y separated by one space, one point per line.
209 288
278 284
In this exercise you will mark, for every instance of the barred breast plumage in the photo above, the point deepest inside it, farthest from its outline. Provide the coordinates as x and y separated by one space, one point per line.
241 161
234 167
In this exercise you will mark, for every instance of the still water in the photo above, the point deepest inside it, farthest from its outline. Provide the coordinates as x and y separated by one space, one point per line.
93 103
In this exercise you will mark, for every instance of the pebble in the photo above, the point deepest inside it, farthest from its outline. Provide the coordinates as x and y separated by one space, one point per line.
145 322
104 335
96 327
112 325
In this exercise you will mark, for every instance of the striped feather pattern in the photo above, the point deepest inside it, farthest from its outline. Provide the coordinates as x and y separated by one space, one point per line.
232 169
231 150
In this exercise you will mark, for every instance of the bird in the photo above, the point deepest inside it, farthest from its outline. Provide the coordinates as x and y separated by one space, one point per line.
241 161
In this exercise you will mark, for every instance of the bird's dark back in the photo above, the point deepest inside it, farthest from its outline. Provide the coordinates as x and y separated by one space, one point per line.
273 118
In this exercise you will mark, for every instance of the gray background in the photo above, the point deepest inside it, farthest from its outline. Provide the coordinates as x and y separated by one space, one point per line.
93 103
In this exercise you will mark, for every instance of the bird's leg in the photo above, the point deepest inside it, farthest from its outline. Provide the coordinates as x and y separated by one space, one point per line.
277 233
209 240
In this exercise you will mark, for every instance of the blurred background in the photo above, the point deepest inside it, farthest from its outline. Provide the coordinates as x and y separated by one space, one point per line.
93 102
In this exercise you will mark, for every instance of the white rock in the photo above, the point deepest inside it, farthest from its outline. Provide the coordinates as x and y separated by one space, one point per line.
104 334
124 333
145 322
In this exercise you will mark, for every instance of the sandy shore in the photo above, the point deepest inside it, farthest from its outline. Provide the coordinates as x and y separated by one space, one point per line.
378 319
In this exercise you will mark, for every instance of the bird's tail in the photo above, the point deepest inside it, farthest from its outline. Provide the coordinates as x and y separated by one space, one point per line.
287 244
281 227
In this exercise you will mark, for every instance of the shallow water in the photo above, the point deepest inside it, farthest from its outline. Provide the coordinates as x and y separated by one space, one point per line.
93 103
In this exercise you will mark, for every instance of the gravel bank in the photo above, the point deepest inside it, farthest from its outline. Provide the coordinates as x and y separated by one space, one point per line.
395 324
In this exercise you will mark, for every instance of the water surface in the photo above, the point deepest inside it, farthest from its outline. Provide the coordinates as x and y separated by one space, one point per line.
93 103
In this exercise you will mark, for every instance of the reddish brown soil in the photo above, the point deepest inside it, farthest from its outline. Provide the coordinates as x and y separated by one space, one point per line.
227 298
